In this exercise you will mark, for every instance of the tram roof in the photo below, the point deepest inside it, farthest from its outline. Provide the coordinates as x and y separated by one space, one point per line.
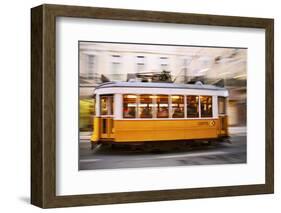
159 85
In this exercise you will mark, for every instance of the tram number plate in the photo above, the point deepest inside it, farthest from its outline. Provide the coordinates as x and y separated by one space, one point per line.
206 123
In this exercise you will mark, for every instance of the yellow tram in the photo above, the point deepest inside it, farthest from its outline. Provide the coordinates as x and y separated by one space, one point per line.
140 112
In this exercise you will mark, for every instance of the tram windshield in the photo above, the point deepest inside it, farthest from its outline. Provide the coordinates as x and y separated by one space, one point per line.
106 105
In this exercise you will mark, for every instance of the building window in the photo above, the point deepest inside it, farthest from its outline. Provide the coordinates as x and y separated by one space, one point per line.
162 106
206 106
164 63
129 106
177 106
222 105
192 106
145 106
116 68
140 62
91 66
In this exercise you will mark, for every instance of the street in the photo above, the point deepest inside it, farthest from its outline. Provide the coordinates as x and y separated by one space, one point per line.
103 157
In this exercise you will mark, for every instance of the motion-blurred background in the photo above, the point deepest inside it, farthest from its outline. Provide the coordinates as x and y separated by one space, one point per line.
101 62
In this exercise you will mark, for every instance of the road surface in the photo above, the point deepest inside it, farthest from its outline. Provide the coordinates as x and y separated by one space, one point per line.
103 157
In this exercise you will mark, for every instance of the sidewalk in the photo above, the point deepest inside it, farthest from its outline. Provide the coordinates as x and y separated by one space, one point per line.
85 136
237 130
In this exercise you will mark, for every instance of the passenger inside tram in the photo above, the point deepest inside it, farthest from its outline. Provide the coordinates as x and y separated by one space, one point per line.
129 112
162 106
146 112
163 112
192 106
145 106
177 106
178 113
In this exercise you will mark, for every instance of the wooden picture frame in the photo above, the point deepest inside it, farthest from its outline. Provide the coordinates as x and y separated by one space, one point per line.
43 105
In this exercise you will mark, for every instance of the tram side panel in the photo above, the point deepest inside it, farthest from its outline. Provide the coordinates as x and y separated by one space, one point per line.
158 130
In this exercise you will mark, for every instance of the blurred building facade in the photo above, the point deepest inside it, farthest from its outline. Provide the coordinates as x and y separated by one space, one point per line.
119 62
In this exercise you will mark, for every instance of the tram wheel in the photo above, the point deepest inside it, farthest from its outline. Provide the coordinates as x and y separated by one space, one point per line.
93 146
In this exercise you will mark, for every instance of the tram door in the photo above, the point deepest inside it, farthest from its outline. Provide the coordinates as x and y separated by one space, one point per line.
106 110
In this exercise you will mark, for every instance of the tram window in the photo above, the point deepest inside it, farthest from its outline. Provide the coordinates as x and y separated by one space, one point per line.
222 105
162 106
110 99
103 105
145 106
192 103
177 106
106 105
206 106
129 106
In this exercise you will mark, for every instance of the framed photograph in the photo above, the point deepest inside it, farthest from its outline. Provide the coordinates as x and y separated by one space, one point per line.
137 106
